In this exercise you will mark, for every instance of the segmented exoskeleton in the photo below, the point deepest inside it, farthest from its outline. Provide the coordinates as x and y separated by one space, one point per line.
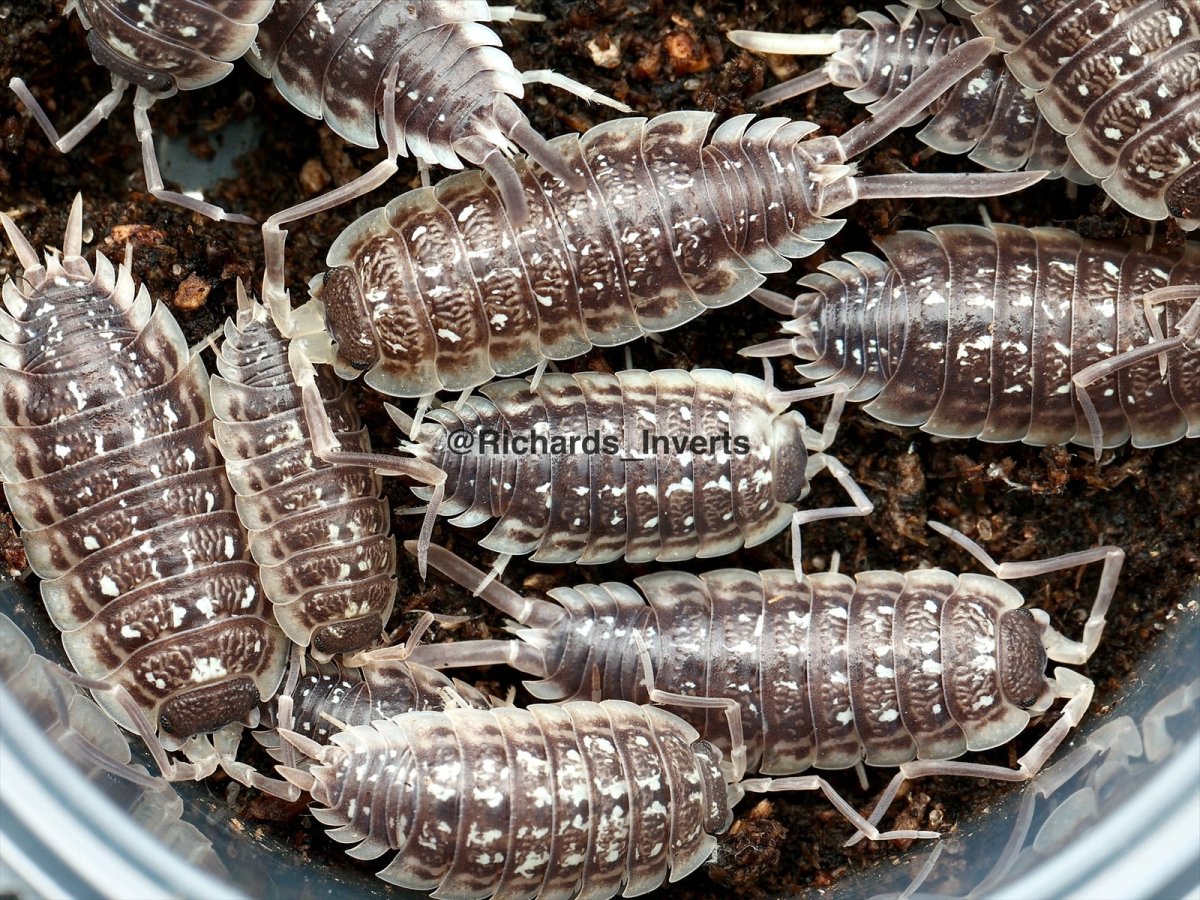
162 47
578 799
1007 334
89 738
665 465
441 289
360 689
1119 79
430 76
988 115
110 469
318 531
823 670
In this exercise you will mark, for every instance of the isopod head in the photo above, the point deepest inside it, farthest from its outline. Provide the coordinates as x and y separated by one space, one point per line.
348 321
1022 661
790 460
206 709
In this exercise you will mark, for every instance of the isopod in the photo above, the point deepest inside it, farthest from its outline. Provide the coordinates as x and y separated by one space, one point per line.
553 801
430 76
86 736
987 115
1120 80
318 531
109 468
665 465
162 47
1007 334
823 670
319 699
441 289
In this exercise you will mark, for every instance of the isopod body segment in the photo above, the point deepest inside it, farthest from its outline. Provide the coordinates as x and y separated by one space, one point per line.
1007 334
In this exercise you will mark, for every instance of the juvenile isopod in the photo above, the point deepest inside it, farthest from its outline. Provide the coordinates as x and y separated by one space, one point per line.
1007 334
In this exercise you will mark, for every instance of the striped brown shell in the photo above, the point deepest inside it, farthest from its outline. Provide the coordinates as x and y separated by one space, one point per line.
109 467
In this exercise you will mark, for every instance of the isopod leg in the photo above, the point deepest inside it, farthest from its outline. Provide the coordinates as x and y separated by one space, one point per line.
225 744
1188 329
817 783
862 503
275 238
571 86
733 710
142 101
532 613
101 111
1059 648
1066 683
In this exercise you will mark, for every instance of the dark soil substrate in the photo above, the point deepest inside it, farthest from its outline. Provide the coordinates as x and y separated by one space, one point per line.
657 55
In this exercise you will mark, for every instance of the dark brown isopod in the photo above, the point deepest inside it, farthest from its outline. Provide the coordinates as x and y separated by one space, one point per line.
823 670
666 465
1119 80
443 289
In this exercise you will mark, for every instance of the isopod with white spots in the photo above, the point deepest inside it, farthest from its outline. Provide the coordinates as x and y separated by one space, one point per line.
1007 334
684 464
823 670
443 289
110 469
1119 81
